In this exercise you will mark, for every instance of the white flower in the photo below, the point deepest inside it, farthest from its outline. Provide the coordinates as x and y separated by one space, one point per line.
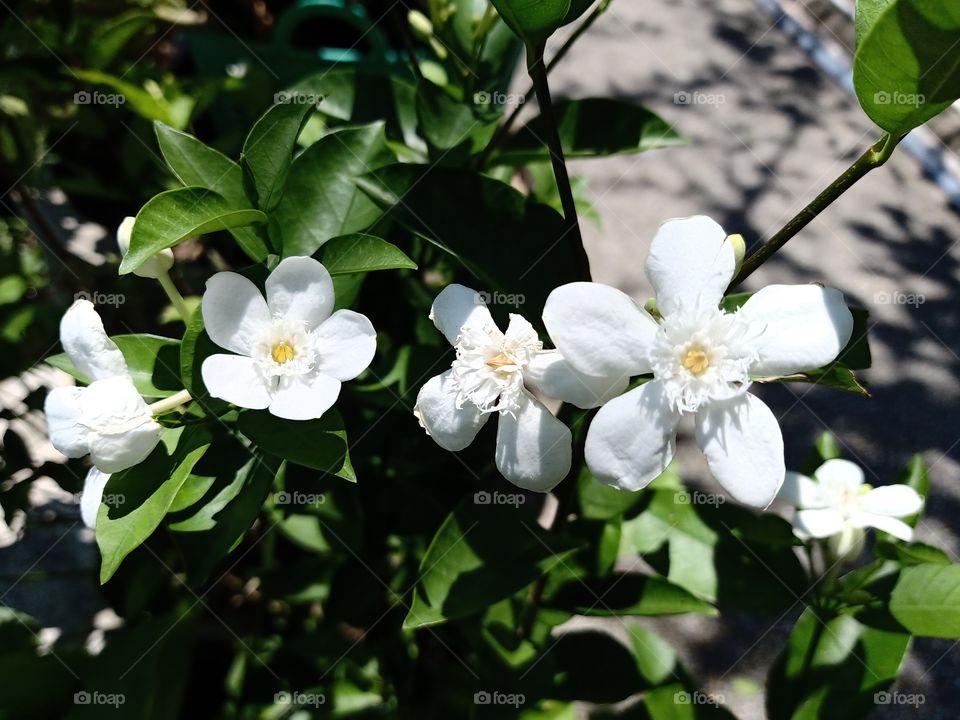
157 265
701 358
836 503
106 419
292 353
498 372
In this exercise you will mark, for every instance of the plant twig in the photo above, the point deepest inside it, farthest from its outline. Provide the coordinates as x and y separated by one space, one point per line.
875 156
538 74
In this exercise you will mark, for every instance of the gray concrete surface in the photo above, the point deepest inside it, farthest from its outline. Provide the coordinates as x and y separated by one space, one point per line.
766 132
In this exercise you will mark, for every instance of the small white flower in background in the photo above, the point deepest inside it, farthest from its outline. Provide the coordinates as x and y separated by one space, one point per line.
107 419
836 503
292 354
702 360
497 372
157 265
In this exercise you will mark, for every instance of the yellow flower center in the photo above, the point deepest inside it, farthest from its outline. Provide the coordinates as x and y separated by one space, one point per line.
499 361
282 352
696 361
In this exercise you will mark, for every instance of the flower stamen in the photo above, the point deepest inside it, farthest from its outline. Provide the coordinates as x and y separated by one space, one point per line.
696 361
282 352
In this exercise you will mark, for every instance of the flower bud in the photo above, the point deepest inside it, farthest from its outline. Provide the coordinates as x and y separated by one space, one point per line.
739 251
420 24
157 265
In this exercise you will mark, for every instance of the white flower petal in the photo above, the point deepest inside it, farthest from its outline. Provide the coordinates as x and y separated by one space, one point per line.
238 380
690 264
301 289
533 447
633 438
800 491
452 428
305 397
155 266
121 430
234 312
345 344
839 476
898 528
62 408
457 307
892 500
520 331
744 447
87 345
91 496
601 331
549 373
818 523
803 327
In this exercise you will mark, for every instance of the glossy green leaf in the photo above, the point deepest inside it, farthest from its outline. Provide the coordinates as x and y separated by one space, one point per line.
480 222
109 39
136 98
629 594
360 253
592 127
216 525
143 494
481 554
268 149
321 199
173 216
450 125
831 669
926 600
319 444
194 163
533 20
907 66
153 362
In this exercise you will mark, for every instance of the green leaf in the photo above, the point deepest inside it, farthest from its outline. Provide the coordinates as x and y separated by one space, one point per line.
533 20
143 494
592 127
218 524
907 66
194 163
449 125
173 216
480 222
363 253
831 669
926 600
835 376
321 200
628 594
138 99
152 361
577 9
480 555
268 149
867 11
109 39
319 444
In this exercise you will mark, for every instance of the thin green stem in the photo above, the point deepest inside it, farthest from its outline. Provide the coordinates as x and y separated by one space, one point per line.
875 156
175 297
504 130
538 74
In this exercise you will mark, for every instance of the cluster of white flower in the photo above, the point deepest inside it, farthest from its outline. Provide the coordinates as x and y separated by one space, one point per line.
290 352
